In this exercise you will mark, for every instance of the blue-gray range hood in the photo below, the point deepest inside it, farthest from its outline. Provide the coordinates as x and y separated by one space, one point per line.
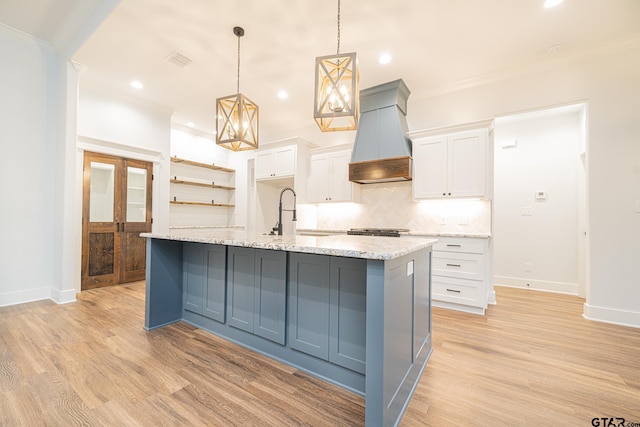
382 150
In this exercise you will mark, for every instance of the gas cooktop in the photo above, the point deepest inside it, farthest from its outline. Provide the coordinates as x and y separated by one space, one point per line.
388 232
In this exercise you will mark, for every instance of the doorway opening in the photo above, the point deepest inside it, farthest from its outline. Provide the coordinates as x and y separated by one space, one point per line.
116 208
540 205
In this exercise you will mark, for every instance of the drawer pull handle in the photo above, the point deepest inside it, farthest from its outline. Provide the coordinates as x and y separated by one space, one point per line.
453 265
454 246
453 290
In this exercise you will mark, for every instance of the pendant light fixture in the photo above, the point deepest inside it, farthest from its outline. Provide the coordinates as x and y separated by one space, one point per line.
336 97
237 116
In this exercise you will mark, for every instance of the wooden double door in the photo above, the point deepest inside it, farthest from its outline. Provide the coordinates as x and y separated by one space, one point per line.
116 209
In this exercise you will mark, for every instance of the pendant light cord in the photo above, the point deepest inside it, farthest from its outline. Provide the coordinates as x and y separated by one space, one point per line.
238 86
338 50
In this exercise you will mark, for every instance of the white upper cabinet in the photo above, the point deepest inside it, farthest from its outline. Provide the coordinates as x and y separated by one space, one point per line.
451 165
329 178
276 163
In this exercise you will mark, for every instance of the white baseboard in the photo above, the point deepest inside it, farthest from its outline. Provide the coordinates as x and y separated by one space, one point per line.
538 285
24 295
37 294
63 297
612 315
458 307
491 297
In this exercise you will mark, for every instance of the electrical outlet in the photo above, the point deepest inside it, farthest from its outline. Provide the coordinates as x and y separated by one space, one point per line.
443 220
463 220
527 267
527 211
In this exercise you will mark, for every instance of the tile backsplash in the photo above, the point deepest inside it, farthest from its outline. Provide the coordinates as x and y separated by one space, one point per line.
389 205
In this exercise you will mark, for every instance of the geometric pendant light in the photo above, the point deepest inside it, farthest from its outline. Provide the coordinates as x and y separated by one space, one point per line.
336 96
237 116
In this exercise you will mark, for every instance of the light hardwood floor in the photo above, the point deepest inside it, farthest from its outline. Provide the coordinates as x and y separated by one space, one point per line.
532 360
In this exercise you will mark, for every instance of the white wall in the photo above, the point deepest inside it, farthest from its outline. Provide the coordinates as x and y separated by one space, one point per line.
27 172
611 86
537 249
203 149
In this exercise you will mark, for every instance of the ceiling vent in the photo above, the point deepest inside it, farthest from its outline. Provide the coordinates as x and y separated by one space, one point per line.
179 59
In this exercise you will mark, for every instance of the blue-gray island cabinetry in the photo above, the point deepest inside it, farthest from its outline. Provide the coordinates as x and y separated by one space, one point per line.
353 310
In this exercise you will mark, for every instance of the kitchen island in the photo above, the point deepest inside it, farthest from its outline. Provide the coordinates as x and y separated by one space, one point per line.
353 310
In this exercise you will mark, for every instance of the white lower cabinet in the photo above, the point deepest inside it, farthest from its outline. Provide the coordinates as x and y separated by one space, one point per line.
460 278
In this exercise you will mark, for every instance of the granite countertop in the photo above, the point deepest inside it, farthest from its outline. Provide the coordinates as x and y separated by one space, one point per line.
368 247
410 234
450 234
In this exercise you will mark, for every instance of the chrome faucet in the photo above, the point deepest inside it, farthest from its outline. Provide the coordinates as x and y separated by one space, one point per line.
279 224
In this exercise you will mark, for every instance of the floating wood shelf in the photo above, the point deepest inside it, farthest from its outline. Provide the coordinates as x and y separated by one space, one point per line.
200 184
201 204
201 165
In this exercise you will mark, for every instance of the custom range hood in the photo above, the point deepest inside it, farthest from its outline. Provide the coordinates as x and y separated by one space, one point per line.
382 150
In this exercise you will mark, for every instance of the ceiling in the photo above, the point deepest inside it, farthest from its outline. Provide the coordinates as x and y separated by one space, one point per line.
436 45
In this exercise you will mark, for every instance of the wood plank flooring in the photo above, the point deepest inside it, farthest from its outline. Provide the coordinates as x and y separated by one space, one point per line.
532 360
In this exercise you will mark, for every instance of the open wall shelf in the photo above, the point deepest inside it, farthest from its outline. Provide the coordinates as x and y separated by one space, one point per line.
201 165
201 184
224 205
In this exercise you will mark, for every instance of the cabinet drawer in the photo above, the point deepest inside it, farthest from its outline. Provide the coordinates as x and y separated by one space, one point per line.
459 245
458 291
463 266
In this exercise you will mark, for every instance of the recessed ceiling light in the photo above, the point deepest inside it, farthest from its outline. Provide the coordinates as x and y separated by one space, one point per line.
552 3
385 58
136 84
283 94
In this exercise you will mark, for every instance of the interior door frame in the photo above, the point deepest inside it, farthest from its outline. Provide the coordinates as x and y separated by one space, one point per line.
119 227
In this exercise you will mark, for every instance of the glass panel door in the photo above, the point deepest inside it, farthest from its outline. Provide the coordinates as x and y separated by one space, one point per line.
136 194
102 192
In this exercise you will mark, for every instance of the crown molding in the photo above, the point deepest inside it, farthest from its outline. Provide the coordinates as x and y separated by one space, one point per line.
24 38
546 64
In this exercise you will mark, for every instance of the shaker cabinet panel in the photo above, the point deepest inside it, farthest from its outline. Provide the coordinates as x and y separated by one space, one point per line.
204 279
347 316
467 169
194 276
270 295
430 167
240 286
309 304
215 285
319 186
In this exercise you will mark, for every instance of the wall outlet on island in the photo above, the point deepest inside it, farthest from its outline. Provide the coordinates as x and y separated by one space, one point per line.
463 220
442 220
